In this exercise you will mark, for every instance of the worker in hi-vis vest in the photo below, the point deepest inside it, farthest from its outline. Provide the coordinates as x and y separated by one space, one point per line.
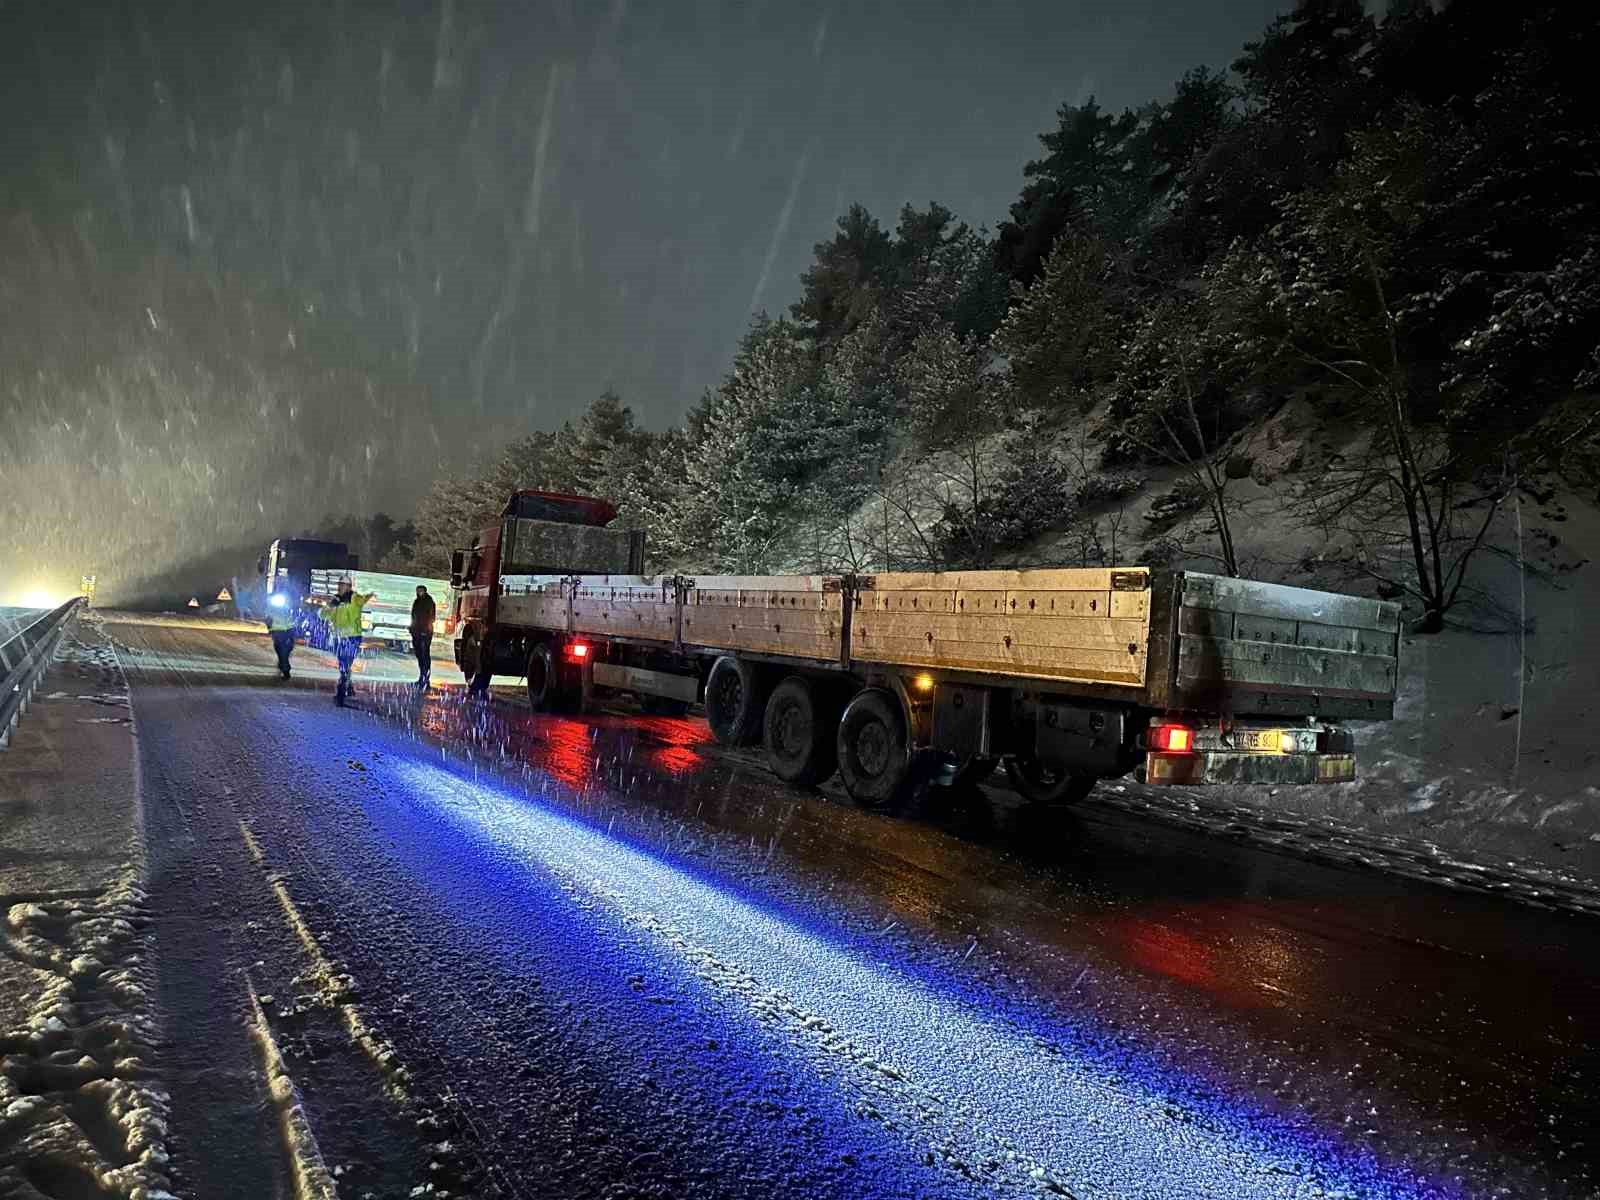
344 621
280 623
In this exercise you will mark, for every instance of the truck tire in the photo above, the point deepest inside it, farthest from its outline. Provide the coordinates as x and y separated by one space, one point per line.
468 651
548 690
1039 784
874 751
734 702
800 733
476 656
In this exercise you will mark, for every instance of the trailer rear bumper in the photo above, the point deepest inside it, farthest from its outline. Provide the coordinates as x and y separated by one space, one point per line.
1235 766
1250 753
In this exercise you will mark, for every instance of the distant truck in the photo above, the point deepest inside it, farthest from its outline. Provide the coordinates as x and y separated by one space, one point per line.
1065 677
287 565
387 616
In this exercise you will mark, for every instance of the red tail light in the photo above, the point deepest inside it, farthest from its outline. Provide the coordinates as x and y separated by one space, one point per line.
1172 739
578 650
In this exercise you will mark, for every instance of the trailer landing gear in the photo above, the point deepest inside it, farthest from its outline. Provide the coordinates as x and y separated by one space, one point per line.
662 706
1040 784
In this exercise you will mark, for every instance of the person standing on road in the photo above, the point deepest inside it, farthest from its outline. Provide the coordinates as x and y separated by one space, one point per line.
344 622
280 623
423 613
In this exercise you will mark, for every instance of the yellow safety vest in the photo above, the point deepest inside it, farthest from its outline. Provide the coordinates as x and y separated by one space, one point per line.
345 619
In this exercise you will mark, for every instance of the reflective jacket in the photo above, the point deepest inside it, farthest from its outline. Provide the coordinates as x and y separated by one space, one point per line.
280 620
344 618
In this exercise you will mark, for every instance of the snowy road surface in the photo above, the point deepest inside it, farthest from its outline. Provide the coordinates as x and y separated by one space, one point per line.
502 954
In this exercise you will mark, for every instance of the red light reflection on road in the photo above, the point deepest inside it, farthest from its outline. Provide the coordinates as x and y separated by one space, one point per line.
1157 946
1221 947
575 750
567 750
680 737
676 760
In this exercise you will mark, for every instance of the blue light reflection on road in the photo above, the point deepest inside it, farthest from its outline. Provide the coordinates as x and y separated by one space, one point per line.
923 1060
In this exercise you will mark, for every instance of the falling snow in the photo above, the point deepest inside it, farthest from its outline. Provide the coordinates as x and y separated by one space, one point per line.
241 249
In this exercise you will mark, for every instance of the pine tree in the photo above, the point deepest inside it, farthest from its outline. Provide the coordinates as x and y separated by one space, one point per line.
1058 334
845 282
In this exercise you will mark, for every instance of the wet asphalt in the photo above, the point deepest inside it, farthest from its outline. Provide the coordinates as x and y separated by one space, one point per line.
612 959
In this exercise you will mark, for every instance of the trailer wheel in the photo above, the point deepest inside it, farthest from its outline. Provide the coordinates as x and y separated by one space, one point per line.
1040 784
874 753
799 732
734 703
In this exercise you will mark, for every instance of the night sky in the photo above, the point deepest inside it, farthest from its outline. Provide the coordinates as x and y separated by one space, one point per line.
259 263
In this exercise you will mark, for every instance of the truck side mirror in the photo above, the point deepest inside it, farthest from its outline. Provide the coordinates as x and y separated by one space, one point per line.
458 568
261 565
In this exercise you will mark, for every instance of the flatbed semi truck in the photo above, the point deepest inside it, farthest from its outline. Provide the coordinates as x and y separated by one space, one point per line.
1063 676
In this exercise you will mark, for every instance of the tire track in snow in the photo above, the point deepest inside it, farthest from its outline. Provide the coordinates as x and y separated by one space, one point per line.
228 954
335 986
312 1179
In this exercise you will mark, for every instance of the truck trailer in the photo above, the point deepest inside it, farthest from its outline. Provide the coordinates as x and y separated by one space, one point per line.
387 616
1063 676
289 562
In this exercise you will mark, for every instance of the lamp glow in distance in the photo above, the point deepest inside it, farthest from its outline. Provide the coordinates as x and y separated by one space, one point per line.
40 597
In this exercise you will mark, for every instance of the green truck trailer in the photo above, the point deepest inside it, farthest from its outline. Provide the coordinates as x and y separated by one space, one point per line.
387 616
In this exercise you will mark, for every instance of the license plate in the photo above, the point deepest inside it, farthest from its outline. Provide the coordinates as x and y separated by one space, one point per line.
1268 741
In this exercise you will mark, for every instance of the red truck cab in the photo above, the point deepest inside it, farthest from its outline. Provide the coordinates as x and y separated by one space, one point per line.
526 540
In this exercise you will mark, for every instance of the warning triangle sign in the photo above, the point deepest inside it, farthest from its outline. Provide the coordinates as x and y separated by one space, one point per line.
193 602
224 594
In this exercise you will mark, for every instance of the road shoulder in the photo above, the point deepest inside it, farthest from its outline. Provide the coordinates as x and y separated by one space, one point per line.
80 1108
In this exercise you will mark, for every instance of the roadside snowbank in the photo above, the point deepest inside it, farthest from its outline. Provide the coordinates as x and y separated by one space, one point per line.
80 1111
1493 753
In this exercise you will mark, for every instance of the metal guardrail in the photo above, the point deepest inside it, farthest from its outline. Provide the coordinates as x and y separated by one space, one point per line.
24 656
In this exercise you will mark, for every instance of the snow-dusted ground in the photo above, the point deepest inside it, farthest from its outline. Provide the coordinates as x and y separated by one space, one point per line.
377 663
603 954
80 1111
